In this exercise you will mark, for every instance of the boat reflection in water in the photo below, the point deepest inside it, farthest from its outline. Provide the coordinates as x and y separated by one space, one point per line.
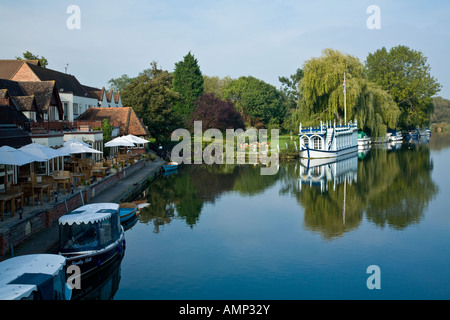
100 285
319 172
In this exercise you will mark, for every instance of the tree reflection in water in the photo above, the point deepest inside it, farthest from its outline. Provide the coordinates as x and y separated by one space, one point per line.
392 188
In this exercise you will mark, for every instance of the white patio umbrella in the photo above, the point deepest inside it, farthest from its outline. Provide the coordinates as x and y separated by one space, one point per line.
16 157
76 141
75 147
42 151
134 139
119 142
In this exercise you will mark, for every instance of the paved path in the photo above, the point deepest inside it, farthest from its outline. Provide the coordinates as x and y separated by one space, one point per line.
46 241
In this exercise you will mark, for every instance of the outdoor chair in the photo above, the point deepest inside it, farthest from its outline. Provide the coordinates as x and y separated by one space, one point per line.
28 193
50 182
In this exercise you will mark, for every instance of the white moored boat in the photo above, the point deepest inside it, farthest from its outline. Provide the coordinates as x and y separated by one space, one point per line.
328 141
34 277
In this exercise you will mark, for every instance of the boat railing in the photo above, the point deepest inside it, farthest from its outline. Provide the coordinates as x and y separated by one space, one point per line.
324 126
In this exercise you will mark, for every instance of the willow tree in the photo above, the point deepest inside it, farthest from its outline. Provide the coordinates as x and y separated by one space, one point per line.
323 98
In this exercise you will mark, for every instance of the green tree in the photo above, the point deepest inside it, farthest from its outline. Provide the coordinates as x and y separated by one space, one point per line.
323 99
29 56
151 96
216 85
290 94
258 102
188 82
118 84
289 88
406 75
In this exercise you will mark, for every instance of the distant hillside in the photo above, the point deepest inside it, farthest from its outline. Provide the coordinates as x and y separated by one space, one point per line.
441 113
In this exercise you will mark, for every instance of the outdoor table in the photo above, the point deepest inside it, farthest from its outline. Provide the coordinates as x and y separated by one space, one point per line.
77 176
40 188
65 181
4 197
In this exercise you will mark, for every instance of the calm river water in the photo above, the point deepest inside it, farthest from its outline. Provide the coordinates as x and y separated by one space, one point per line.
309 232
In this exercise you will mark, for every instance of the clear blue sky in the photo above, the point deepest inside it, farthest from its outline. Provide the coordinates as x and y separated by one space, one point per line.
262 38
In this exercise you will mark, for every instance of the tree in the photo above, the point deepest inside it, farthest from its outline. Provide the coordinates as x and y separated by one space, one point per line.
151 96
289 88
323 99
216 113
188 82
405 74
258 102
29 56
216 85
118 84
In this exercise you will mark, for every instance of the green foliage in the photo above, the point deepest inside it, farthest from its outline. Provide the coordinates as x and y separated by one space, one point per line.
29 56
188 82
118 84
289 88
152 97
441 110
216 85
258 102
323 98
406 75
107 130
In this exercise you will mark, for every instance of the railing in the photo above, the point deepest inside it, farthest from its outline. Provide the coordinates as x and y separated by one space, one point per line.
64 126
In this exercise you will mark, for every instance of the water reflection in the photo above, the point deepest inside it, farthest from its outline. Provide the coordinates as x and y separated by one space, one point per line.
391 186
101 285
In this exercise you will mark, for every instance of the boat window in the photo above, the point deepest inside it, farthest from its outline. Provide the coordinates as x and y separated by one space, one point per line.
306 141
78 237
317 142
105 233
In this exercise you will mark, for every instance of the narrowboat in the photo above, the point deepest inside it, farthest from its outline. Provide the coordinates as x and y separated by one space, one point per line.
91 236
34 277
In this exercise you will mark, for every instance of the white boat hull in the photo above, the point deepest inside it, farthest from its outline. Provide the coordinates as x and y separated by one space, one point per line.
321 154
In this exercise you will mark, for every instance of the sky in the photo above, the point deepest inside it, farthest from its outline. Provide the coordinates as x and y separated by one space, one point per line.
265 39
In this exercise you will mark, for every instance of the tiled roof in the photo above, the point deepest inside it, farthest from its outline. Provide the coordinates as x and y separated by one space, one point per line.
9 114
45 92
11 135
26 103
13 87
129 121
8 68
65 82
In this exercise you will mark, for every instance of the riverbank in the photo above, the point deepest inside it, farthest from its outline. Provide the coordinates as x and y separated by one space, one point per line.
13 235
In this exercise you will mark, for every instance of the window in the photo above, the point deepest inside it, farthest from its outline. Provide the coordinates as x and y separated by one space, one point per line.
65 110
317 143
75 109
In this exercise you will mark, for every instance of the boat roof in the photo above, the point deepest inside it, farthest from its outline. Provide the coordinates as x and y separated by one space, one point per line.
13 268
91 213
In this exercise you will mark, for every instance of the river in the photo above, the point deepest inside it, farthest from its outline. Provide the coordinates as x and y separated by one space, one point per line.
311 231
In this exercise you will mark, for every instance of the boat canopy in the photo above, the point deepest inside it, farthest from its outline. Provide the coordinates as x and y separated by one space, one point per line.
93 213
90 227
22 275
79 217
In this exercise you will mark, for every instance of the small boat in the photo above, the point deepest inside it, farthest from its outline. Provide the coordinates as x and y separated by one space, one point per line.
363 140
34 277
412 135
171 166
395 136
91 236
127 211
